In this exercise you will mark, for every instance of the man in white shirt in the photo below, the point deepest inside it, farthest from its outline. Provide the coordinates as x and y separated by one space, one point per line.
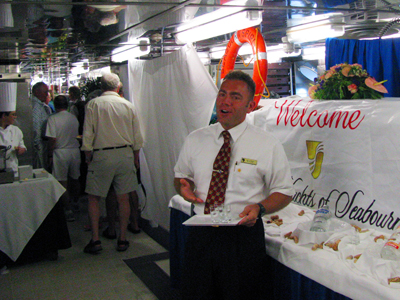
64 154
229 262
40 113
111 141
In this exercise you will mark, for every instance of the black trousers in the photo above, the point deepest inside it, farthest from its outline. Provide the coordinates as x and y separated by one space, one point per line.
226 262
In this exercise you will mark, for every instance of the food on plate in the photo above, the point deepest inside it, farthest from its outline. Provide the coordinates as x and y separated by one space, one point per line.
301 212
359 228
287 235
317 246
380 237
275 220
356 257
356 227
393 279
334 245
291 237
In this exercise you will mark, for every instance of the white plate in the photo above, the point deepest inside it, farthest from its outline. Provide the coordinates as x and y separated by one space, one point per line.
205 220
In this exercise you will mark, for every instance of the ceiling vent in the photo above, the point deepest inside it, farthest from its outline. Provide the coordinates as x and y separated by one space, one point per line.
371 23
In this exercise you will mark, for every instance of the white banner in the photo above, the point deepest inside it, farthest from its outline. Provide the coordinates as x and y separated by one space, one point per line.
345 153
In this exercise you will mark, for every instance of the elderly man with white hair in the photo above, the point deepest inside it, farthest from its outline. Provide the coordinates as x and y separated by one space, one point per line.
111 141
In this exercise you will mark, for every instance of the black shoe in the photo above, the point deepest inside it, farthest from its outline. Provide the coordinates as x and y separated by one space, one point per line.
109 236
134 231
122 245
93 247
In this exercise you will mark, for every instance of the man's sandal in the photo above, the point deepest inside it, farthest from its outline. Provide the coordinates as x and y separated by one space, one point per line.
93 247
122 245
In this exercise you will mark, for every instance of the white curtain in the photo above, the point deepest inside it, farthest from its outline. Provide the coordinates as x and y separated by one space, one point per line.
174 95
6 16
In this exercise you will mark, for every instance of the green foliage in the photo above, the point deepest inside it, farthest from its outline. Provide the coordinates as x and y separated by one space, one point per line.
90 85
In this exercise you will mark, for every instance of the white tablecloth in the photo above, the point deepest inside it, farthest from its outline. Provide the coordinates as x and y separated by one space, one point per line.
23 207
365 279
179 203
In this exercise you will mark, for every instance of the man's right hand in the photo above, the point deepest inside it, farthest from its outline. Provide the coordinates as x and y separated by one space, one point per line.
186 191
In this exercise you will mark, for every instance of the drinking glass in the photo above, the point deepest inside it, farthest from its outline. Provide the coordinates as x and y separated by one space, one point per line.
228 212
214 213
222 213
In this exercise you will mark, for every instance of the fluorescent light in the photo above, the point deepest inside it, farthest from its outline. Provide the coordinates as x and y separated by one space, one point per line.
219 22
314 28
135 48
218 52
313 53
274 53
315 33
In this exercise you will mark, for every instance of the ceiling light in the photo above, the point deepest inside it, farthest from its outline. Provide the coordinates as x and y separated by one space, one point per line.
219 22
315 28
134 48
276 53
218 52
313 53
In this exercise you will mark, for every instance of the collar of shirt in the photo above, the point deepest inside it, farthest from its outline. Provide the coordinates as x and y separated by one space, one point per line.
35 99
235 132
110 93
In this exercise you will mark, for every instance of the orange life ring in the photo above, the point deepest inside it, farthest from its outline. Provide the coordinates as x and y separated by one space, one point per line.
248 35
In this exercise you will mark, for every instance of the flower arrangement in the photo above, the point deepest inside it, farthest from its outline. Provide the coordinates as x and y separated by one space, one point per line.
345 81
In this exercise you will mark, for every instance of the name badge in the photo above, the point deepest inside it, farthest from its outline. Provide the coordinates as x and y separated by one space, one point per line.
249 161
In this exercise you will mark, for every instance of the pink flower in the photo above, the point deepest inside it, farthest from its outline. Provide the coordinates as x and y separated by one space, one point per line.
353 88
377 86
311 90
357 65
333 68
346 70
329 74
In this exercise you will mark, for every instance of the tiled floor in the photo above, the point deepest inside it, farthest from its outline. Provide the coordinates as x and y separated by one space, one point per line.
76 275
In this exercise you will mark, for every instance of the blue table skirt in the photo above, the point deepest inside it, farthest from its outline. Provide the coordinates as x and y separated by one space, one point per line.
287 283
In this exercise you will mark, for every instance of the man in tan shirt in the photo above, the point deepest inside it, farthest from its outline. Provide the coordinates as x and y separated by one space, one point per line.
111 141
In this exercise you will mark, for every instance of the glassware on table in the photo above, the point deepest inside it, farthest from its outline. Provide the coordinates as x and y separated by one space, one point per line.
214 213
222 213
391 249
228 212
355 237
225 213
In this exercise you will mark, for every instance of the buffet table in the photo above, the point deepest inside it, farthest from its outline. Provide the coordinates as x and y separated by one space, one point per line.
301 273
30 213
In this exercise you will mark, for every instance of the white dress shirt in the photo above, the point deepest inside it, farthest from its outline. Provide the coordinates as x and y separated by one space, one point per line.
258 164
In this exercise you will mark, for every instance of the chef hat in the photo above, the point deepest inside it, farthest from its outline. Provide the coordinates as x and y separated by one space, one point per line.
8 96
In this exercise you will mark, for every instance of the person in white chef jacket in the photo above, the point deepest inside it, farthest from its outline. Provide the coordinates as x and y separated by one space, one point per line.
10 135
